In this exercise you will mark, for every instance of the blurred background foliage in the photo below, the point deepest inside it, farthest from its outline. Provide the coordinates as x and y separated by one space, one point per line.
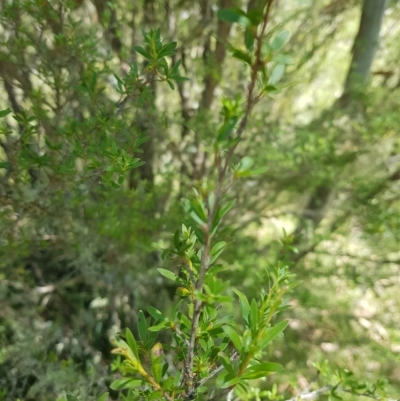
78 226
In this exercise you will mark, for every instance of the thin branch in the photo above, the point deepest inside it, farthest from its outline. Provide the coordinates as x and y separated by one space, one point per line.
181 335
312 395
326 389
207 228
216 370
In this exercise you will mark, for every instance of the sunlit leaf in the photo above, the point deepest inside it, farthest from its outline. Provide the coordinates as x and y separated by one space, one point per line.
143 52
130 339
234 15
280 40
277 74
103 397
233 336
142 326
273 333
126 383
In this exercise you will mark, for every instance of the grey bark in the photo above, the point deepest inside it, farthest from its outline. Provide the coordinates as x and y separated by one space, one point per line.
364 50
365 45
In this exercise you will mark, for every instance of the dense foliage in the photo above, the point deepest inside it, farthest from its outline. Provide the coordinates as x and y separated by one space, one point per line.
282 116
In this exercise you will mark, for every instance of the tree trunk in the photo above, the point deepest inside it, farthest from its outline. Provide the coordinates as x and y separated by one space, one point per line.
216 59
364 49
365 46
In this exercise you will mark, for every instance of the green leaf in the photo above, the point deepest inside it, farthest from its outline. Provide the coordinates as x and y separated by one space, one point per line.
225 362
196 210
277 74
282 59
175 309
120 83
5 112
261 370
177 378
103 397
242 56
255 16
244 304
248 39
176 66
171 85
155 395
222 211
250 173
226 129
127 383
216 250
246 163
156 313
171 276
225 208
160 326
168 50
5 165
130 339
142 326
253 316
271 89
272 333
180 78
280 40
230 380
233 15
144 53
157 362
233 336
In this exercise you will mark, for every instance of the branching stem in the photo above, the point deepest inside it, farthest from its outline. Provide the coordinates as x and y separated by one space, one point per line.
212 209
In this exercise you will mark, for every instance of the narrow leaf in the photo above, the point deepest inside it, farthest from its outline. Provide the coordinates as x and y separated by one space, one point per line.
130 339
261 370
272 333
142 326
103 397
5 112
244 304
280 40
125 384
277 74
226 129
160 326
249 39
156 313
234 15
253 316
242 56
171 276
216 250
143 52
233 336
225 362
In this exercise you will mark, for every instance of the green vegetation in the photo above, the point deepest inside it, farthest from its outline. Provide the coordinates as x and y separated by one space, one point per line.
199 200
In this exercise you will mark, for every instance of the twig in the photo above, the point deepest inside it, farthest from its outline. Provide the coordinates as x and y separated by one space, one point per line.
312 395
308 388
207 228
180 334
216 370
323 390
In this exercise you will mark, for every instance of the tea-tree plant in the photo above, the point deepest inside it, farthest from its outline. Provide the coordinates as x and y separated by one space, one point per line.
210 355
207 346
